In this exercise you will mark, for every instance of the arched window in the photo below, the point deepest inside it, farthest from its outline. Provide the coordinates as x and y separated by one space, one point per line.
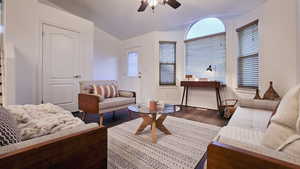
205 27
206 50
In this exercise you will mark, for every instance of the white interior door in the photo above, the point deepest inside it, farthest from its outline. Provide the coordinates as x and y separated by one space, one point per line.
60 67
134 74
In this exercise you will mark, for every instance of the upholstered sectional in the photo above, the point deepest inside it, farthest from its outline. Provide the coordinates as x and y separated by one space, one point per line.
249 128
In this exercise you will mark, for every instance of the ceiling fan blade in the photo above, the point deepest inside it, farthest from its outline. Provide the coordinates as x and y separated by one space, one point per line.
143 6
174 3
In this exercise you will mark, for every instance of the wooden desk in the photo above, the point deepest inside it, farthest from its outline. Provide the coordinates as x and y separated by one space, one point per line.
202 84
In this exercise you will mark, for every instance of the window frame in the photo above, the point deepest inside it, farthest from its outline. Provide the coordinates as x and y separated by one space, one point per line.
206 37
238 30
128 53
173 64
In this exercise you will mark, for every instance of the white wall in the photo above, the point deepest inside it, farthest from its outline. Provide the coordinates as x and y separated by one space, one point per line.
23 30
277 31
145 44
278 45
107 50
298 41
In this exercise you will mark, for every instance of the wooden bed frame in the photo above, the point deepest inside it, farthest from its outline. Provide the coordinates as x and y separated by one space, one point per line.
222 156
82 150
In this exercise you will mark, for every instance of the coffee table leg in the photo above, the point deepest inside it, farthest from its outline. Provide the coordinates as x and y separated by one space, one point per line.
160 126
154 129
146 121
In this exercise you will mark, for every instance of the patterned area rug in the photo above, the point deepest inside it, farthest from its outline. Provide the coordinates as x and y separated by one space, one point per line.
181 150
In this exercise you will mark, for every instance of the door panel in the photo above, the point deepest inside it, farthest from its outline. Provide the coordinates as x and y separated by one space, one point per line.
130 82
60 67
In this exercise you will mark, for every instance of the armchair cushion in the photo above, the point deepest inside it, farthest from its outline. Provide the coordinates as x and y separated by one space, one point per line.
101 98
116 102
124 93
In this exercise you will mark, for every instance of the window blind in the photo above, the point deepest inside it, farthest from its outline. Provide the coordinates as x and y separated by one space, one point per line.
202 52
167 64
248 75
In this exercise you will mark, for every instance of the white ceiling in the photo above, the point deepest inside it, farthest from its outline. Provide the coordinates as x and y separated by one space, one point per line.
121 19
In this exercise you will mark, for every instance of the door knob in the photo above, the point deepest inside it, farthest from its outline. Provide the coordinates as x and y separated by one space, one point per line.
77 76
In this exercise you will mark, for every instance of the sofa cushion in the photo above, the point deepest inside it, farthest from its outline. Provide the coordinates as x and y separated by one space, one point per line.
261 150
258 104
108 91
250 118
116 102
9 133
284 122
87 86
124 93
244 135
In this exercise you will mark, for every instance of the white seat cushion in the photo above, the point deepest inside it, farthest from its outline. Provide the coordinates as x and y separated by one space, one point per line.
251 118
116 102
244 135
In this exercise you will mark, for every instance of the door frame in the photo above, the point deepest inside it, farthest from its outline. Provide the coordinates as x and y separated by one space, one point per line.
138 50
40 78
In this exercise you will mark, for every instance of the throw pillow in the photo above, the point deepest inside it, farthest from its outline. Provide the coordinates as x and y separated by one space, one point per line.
108 91
284 122
258 104
126 94
9 133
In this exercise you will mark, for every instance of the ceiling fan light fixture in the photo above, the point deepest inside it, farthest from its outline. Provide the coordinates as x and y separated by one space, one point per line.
153 3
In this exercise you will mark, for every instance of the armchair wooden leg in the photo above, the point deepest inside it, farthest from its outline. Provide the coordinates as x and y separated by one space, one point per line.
130 114
101 117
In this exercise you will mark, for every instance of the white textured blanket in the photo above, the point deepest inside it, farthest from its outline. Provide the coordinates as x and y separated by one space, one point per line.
39 120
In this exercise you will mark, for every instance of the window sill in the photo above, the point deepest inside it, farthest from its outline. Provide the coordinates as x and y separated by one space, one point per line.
168 87
246 90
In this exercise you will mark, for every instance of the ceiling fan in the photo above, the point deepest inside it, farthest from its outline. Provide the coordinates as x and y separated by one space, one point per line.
153 3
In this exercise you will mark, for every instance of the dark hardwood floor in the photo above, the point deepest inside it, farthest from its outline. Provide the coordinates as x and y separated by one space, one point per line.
190 113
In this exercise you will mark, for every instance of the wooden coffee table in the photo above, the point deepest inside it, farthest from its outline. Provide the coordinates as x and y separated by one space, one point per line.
153 118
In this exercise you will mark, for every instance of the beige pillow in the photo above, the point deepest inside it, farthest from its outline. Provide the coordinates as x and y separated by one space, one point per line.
284 122
258 104
288 110
128 94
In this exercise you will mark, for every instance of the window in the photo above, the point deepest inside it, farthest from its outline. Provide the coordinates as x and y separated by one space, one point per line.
132 70
167 65
206 49
248 61
204 27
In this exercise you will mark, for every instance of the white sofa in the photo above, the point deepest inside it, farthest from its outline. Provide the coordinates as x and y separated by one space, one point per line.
247 128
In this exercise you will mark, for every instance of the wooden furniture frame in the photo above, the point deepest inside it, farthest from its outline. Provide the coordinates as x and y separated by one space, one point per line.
202 84
221 156
82 150
89 103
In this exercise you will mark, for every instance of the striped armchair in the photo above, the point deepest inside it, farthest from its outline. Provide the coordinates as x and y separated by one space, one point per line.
92 103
